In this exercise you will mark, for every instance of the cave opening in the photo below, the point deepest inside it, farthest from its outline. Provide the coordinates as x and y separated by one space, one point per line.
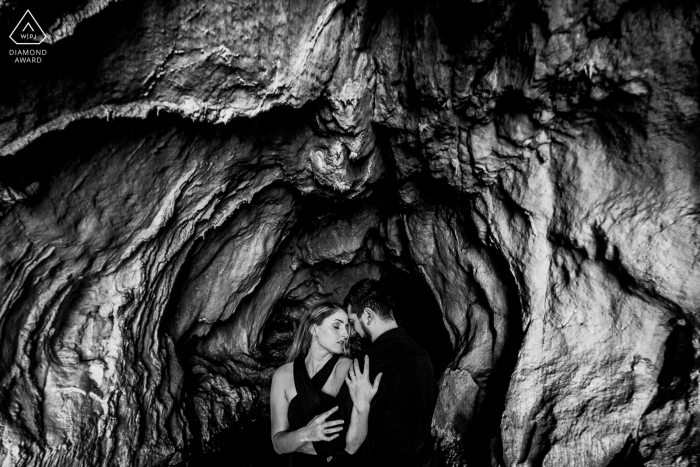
330 247
225 300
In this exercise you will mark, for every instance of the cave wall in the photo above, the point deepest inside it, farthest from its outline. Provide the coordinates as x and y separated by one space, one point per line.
173 197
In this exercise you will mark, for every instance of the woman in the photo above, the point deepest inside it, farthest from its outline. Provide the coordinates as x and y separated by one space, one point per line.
306 391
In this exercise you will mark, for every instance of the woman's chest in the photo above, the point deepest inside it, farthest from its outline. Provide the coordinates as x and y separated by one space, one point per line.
331 387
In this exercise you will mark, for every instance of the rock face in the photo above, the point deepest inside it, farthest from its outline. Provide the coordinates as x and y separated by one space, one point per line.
180 180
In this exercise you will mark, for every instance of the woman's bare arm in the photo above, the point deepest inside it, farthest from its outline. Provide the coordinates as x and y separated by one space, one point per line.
357 431
361 391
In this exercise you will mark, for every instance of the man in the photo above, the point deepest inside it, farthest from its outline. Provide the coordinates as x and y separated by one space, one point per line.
402 410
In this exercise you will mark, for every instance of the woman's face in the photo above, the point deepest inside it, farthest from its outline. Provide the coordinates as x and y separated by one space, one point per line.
332 333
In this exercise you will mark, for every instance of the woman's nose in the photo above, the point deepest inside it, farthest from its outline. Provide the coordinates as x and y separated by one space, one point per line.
343 333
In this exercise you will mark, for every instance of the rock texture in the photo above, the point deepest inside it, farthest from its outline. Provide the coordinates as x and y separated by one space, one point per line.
180 180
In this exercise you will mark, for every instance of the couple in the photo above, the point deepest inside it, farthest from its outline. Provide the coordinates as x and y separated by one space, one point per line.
326 407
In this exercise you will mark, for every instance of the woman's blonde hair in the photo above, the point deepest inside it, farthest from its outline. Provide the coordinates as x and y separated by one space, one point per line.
302 336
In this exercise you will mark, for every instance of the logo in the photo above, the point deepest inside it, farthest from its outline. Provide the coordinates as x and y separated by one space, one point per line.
28 31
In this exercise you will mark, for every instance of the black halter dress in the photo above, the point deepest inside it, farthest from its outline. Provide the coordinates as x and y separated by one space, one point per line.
311 401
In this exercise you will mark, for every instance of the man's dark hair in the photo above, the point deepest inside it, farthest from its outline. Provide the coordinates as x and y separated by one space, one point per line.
372 294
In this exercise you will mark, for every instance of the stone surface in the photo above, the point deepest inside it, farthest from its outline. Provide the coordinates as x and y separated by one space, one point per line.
526 174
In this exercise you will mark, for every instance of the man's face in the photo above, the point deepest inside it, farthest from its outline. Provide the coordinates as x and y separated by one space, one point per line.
358 326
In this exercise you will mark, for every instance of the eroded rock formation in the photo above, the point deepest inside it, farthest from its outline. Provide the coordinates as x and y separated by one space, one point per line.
180 180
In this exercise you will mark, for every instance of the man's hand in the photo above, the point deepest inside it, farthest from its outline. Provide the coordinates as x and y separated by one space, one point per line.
318 429
361 390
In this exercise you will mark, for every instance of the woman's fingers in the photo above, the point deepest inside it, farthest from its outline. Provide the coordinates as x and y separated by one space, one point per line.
375 385
332 423
367 365
356 367
330 431
327 413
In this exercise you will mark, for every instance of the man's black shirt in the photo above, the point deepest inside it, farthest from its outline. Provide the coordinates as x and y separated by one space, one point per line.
402 410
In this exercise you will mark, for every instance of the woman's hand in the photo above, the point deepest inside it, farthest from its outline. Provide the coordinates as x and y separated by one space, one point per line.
361 390
318 429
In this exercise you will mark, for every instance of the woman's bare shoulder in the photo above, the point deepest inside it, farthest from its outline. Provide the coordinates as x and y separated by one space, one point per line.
343 366
282 387
284 372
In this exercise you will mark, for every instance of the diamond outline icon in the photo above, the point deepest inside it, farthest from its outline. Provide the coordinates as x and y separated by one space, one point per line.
37 25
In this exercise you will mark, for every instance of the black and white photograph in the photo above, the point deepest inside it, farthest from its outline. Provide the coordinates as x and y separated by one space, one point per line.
350 233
